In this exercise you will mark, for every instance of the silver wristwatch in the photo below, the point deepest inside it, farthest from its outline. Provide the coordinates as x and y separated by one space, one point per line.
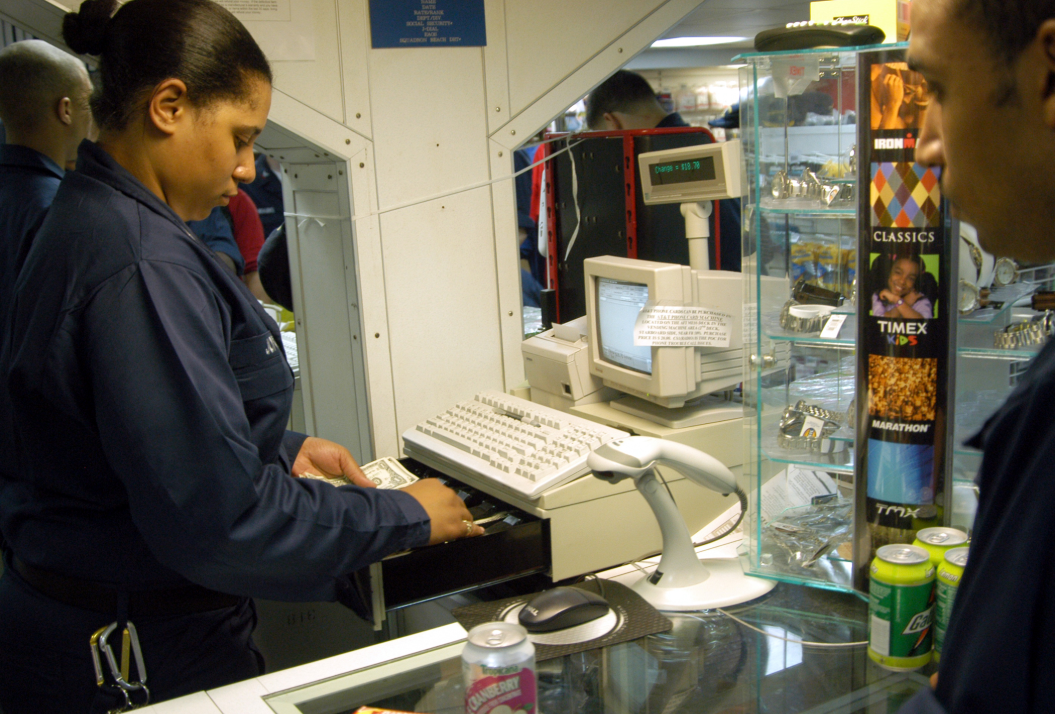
970 298
1005 272
802 407
810 187
792 422
794 323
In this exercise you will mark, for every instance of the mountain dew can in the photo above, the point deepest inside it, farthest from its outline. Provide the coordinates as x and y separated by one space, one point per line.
949 574
900 607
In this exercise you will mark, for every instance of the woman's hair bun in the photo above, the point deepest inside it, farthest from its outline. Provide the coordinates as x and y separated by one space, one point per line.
85 30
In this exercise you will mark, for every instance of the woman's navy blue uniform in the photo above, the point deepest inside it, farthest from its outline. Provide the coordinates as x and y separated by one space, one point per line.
150 393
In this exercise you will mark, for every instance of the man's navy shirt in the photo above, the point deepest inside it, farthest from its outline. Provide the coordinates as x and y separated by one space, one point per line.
28 182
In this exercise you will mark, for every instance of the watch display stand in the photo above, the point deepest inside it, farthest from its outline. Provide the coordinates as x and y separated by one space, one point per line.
799 132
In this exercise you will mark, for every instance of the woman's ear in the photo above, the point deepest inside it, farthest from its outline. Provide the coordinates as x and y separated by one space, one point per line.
168 106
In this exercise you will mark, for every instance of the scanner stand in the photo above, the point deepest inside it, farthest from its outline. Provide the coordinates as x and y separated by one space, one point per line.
682 581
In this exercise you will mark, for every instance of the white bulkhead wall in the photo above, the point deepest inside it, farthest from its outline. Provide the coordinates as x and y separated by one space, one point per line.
423 132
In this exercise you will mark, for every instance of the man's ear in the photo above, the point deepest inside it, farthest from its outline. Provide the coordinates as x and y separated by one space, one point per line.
612 121
168 105
1046 40
64 110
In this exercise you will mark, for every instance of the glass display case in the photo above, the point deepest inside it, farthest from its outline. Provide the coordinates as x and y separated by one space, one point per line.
798 128
834 201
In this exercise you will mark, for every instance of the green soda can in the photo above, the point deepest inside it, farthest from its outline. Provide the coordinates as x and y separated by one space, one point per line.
938 541
949 574
900 606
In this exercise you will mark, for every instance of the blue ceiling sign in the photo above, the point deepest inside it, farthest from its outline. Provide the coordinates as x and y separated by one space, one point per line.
427 23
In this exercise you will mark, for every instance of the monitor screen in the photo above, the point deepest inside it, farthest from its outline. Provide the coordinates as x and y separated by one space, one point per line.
618 305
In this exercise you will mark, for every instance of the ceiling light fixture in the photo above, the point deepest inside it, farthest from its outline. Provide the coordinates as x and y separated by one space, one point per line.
695 41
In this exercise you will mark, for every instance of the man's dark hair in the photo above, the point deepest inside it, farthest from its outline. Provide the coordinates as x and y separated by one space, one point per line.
33 77
149 41
622 92
1010 25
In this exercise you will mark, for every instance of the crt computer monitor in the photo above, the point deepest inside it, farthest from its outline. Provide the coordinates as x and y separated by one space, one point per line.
616 291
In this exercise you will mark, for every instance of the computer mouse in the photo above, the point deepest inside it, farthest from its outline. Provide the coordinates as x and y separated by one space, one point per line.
561 608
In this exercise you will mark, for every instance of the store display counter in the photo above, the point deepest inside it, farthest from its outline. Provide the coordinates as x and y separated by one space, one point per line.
707 663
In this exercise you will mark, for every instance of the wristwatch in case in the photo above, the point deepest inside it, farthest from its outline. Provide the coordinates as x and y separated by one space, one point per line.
806 294
1025 334
796 317
1005 272
970 298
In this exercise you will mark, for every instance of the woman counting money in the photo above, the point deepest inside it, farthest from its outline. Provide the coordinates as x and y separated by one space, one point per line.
149 485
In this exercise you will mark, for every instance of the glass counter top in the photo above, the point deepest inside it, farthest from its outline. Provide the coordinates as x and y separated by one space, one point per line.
764 660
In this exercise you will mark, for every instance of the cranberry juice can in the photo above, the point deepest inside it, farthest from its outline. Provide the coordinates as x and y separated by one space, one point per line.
498 664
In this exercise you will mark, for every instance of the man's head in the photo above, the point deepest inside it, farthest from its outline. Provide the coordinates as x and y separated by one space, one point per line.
44 96
623 101
990 68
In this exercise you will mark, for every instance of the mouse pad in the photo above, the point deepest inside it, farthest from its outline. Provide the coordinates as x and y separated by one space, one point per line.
631 618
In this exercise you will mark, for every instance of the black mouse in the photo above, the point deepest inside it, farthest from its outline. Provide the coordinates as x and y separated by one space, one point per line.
561 608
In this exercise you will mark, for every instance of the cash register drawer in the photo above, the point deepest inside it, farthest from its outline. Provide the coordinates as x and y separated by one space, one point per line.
514 544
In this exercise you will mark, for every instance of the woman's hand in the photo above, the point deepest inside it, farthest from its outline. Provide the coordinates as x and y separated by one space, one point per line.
449 518
323 457
911 297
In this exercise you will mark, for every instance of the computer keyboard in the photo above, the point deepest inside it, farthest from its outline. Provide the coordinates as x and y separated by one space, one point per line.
511 444
289 343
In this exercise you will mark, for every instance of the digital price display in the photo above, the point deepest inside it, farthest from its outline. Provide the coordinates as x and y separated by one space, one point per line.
683 171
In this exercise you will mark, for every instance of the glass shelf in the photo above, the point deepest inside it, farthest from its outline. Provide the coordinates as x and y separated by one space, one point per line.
1016 355
821 51
846 340
808 459
827 574
812 208
1007 295
975 340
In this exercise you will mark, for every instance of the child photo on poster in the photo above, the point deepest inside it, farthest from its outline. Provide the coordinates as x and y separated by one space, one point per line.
907 285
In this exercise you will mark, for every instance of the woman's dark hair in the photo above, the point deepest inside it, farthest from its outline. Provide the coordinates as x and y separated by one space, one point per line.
149 41
883 266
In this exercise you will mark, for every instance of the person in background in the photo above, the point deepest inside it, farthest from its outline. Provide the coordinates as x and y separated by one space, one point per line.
266 192
234 233
273 268
249 235
151 477
532 267
217 233
626 101
990 128
44 107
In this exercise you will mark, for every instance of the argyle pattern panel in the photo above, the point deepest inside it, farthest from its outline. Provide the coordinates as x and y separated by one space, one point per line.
905 195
